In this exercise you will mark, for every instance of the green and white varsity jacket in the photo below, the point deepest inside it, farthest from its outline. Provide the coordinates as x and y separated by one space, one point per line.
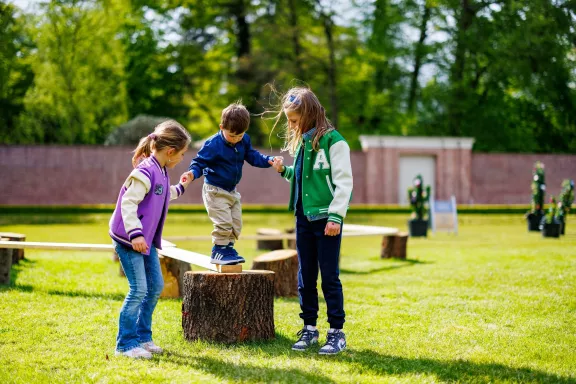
326 177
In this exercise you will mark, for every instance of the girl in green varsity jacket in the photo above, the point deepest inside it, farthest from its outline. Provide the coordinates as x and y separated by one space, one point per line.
321 188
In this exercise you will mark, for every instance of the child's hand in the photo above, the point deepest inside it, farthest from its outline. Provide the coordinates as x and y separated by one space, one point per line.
186 178
139 244
277 163
332 229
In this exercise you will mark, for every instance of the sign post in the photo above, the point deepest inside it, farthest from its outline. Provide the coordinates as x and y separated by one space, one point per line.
444 215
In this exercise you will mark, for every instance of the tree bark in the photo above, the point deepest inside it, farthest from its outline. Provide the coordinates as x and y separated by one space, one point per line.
173 273
394 246
284 264
17 254
329 32
5 265
418 56
228 307
296 38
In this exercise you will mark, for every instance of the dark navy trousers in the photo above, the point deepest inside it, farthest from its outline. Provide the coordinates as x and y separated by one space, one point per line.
317 251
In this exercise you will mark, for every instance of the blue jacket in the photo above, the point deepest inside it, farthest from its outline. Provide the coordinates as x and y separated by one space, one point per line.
221 162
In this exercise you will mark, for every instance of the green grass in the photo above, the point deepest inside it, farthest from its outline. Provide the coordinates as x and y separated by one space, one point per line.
494 304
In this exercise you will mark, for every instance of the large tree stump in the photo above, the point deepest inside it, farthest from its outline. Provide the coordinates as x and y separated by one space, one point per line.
291 243
228 307
17 254
284 263
269 244
173 273
394 245
5 265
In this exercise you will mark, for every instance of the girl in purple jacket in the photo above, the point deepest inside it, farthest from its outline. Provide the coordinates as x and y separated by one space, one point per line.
136 230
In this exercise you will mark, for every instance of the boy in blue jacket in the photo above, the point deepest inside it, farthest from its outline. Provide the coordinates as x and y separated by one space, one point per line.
220 160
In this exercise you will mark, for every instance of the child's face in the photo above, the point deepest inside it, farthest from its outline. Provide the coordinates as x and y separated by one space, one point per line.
232 138
176 158
293 118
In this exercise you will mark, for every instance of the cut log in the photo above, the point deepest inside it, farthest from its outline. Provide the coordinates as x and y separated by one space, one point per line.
394 245
291 243
228 307
272 244
18 254
284 264
173 273
6 256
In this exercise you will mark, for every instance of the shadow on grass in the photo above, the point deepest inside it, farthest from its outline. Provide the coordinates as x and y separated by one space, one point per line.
88 295
246 372
405 263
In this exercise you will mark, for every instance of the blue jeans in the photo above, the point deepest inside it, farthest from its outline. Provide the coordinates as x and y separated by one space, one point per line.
316 251
146 283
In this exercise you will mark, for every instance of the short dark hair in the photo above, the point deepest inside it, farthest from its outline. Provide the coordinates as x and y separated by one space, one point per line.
235 118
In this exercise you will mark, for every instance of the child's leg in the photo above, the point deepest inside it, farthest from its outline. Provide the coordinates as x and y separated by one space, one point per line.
308 271
133 265
236 217
155 284
218 204
328 258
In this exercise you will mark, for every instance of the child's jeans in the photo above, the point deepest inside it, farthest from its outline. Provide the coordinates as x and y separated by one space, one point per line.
318 251
225 211
146 283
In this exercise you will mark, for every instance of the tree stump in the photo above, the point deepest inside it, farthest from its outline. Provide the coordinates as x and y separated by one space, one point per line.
228 307
18 254
6 256
291 243
284 264
173 273
269 244
394 245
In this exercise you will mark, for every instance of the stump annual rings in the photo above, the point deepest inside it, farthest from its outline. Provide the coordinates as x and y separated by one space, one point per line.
228 307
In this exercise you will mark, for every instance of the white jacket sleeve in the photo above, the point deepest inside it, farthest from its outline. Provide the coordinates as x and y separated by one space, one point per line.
341 170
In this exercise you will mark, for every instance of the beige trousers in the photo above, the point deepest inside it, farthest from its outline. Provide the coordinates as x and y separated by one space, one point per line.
225 211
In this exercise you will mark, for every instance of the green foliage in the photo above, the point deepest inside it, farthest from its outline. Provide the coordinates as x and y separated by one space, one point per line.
538 187
552 214
566 198
419 197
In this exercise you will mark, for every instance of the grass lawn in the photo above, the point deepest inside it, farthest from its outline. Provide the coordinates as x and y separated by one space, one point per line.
494 304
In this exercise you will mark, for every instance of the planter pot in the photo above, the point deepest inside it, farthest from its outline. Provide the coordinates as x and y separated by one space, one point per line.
533 220
563 226
551 230
418 228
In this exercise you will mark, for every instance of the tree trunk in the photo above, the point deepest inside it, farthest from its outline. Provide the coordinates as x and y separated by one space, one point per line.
17 254
291 243
228 307
269 244
173 273
5 265
329 32
394 246
284 264
418 56
296 38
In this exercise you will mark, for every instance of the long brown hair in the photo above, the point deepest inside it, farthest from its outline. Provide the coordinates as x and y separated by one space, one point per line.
166 134
302 100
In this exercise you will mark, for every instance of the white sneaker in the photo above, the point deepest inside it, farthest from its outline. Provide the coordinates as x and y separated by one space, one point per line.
135 353
151 347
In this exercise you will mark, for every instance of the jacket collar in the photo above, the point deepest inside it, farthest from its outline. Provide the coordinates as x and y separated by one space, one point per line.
309 134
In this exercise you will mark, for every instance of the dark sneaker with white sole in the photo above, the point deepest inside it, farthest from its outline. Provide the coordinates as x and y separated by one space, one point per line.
335 343
231 247
308 336
222 255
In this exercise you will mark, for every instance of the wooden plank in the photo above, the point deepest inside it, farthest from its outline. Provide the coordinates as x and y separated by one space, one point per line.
188 257
56 246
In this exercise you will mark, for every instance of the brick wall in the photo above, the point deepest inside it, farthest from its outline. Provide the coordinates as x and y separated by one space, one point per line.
60 175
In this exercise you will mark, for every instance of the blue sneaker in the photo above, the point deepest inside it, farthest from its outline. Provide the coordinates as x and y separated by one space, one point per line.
308 336
222 255
335 343
231 247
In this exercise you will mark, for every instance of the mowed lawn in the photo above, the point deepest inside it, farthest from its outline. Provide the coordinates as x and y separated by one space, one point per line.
494 304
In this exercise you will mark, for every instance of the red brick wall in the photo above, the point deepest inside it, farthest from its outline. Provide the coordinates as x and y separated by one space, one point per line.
505 178
60 175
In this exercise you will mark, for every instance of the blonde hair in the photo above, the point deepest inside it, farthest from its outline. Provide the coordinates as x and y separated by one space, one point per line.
235 118
312 115
168 134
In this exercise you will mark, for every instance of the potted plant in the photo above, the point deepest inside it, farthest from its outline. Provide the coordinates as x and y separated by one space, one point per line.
534 217
566 199
550 225
418 195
